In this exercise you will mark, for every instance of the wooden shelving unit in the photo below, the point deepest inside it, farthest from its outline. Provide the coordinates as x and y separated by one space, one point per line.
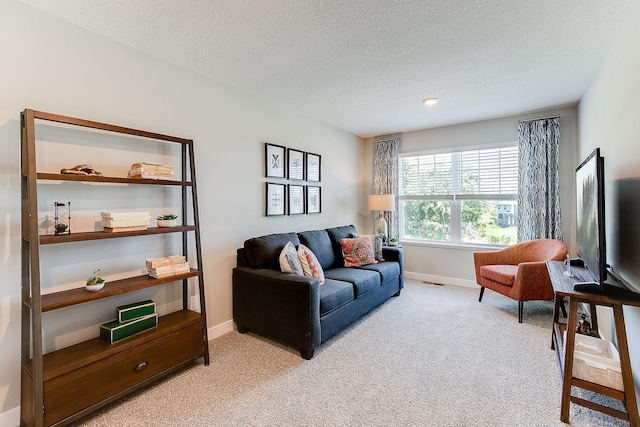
563 288
64 385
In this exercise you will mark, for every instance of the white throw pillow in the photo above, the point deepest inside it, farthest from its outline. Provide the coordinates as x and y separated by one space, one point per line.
289 261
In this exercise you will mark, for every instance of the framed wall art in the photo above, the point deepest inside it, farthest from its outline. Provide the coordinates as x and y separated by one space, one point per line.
296 164
275 199
296 199
314 201
313 167
274 160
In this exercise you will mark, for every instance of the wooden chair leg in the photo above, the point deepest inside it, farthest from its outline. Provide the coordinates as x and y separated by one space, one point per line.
520 310
481 293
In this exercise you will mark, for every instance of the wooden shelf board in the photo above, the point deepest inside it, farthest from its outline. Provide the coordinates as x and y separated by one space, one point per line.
75 296
109 179
76 356
48 239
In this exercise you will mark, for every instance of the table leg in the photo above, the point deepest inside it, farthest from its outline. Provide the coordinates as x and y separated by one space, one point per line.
625 365
568 360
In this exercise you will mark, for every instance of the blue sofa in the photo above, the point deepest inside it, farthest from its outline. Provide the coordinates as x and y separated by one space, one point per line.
296 309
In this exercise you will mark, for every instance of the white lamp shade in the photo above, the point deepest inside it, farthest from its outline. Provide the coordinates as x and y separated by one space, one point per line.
382 202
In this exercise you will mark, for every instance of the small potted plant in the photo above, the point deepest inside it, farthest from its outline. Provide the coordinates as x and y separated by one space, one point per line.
95 282
393 242
167 220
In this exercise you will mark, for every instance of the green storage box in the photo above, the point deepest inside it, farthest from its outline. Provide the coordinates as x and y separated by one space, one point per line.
115 331
137 309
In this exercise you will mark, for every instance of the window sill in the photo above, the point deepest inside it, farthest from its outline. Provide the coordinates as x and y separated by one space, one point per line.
456 246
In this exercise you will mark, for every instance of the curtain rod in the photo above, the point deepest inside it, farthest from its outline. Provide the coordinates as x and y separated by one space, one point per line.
540 118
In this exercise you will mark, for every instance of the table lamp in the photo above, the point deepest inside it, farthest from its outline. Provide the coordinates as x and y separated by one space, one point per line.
382 203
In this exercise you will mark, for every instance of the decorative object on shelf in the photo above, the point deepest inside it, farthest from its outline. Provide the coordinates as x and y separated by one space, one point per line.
275 200
151 171
115 222
584 326
313 167
274 161
314 201
135 310
95 283
86 170
167 266
115 331
296 199
393 242
382 203
60 224
167 220
296 164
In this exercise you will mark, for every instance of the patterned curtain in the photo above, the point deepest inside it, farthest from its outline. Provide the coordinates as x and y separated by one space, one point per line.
538 188
385 177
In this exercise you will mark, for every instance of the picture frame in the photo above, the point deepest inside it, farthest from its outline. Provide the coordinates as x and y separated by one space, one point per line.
275 199
296 164
296 199
314 199
313 163
275 160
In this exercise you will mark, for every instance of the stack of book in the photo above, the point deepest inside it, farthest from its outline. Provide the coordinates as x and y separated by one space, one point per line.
114 222
150 171
130 319
167 266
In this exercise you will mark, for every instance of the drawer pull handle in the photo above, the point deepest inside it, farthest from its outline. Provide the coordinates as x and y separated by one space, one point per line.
140 366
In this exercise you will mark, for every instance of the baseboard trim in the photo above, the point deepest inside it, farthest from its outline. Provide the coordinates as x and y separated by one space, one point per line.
10 418
440 280
219 330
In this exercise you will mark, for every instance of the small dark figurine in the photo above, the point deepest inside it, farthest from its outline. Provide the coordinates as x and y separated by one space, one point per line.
584 327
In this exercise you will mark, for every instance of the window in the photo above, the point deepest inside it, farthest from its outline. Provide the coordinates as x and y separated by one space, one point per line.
461 197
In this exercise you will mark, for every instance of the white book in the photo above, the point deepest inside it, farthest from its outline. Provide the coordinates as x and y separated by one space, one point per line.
114 223
164 261
124 215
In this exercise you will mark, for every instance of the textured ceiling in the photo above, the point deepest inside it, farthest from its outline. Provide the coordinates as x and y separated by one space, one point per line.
364 66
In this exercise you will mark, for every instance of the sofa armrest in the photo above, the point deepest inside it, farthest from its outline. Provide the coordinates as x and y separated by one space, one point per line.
395 254
280 305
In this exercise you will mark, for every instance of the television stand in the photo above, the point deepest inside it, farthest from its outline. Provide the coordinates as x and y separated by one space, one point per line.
564 345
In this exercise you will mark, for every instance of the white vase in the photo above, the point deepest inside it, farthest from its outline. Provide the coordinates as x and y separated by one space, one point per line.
167 222
95 288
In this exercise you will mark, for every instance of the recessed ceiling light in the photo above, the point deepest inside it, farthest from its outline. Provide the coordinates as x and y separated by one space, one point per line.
430 101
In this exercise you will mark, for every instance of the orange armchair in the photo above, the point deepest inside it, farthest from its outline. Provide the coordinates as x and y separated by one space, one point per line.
519 271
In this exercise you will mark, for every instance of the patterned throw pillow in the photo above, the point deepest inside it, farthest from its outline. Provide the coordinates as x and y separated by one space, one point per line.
310 265
376 240
289 261
357 251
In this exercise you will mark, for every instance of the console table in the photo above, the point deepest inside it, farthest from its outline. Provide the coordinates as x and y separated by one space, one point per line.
563 288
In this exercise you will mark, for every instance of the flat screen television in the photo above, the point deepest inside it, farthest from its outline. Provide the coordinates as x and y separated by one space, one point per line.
590 232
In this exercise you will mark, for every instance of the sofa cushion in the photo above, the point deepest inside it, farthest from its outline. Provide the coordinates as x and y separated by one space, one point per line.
358 251
504 274
289 261
364 281
335 235
319 243
334 294
264 251
310 265
387 270
376 241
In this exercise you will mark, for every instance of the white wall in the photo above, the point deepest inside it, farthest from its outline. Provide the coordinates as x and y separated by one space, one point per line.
52 66
609 117
454 265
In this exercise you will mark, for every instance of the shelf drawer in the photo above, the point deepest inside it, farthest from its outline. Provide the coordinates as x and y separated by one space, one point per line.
77 390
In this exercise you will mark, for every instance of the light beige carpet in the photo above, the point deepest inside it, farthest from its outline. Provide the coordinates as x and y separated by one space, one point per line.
435 356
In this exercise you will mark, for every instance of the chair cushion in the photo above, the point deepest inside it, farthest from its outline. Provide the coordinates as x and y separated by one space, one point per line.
504 274
364 281
334 294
